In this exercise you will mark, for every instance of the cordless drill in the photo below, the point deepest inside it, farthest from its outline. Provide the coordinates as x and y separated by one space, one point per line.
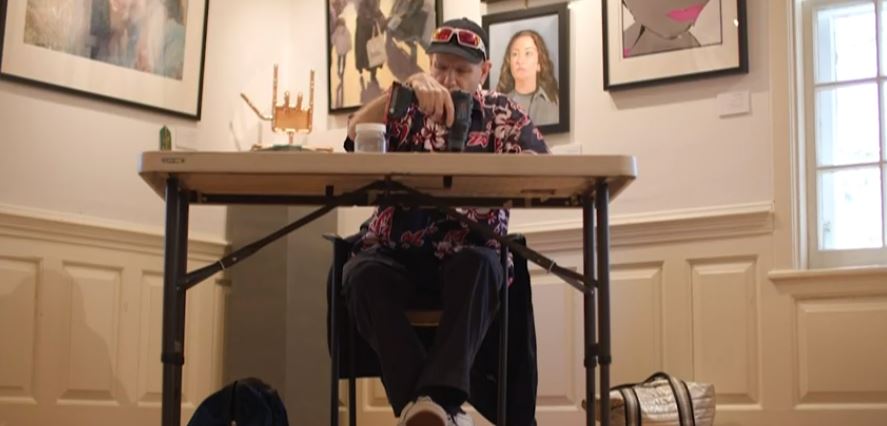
402 97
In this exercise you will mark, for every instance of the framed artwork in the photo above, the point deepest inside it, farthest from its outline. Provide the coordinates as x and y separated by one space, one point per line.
372 43
530 52
146 53
651 42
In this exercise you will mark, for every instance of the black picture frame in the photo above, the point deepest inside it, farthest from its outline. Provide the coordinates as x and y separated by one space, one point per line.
551 25
81 61
720 48
353 87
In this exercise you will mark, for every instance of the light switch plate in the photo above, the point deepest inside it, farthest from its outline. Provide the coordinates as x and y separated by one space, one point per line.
733 103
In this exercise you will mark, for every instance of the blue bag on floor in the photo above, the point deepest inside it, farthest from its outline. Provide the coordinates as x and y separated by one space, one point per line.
245 402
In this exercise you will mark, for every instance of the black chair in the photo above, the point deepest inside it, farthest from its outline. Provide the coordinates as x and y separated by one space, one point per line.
504 378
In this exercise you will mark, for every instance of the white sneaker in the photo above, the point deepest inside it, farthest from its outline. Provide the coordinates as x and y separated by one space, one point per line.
461 418
423 412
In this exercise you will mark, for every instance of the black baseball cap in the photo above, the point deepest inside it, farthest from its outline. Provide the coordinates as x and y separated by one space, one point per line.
452 45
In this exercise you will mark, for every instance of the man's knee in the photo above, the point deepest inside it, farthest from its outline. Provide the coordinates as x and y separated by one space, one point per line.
479 260
367 279
481 256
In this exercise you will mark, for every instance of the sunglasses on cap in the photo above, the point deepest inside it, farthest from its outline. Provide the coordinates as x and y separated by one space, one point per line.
466 38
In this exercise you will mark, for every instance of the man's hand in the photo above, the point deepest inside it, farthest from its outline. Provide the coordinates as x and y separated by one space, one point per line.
434 99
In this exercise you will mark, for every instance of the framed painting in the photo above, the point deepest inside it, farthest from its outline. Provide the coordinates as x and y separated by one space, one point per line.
530 55
146 53
652 42
372 43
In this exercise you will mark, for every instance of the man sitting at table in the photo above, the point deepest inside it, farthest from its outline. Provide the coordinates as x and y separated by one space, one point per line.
406 254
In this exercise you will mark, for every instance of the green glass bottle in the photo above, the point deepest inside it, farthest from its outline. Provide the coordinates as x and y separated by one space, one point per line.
165 139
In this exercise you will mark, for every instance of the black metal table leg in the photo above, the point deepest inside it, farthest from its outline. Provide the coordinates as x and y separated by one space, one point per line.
338 255
589 304
602 200
174 264
502 397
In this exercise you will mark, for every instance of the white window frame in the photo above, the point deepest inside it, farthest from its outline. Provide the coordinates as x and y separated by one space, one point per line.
805 21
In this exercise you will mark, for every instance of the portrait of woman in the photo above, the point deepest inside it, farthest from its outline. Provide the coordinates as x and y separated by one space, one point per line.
527 77
530 54
663 25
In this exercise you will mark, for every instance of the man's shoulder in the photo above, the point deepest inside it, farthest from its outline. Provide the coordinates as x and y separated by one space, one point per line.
492 97
501 100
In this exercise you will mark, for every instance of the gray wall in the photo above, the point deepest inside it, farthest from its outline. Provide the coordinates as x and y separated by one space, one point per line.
276 310
308 361
255 318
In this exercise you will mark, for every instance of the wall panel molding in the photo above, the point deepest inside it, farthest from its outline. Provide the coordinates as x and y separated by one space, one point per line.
558 316
725 298
838 337
841 347
93 319
859 281
44 225
658 227
18 319
637 311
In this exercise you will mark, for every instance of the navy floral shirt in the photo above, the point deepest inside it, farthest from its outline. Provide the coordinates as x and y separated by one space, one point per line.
498 125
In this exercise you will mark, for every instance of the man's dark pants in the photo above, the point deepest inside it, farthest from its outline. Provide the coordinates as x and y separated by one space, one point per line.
381 287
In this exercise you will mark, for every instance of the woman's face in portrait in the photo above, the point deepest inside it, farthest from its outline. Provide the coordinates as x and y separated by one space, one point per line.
667 18
523 59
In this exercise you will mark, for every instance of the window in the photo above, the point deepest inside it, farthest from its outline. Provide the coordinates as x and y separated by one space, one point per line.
845 90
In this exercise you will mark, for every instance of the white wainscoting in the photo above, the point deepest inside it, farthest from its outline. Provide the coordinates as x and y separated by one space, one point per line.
833 329
80 322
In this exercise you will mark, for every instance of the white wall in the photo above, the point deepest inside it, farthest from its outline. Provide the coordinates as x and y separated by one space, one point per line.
74 156
688 157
